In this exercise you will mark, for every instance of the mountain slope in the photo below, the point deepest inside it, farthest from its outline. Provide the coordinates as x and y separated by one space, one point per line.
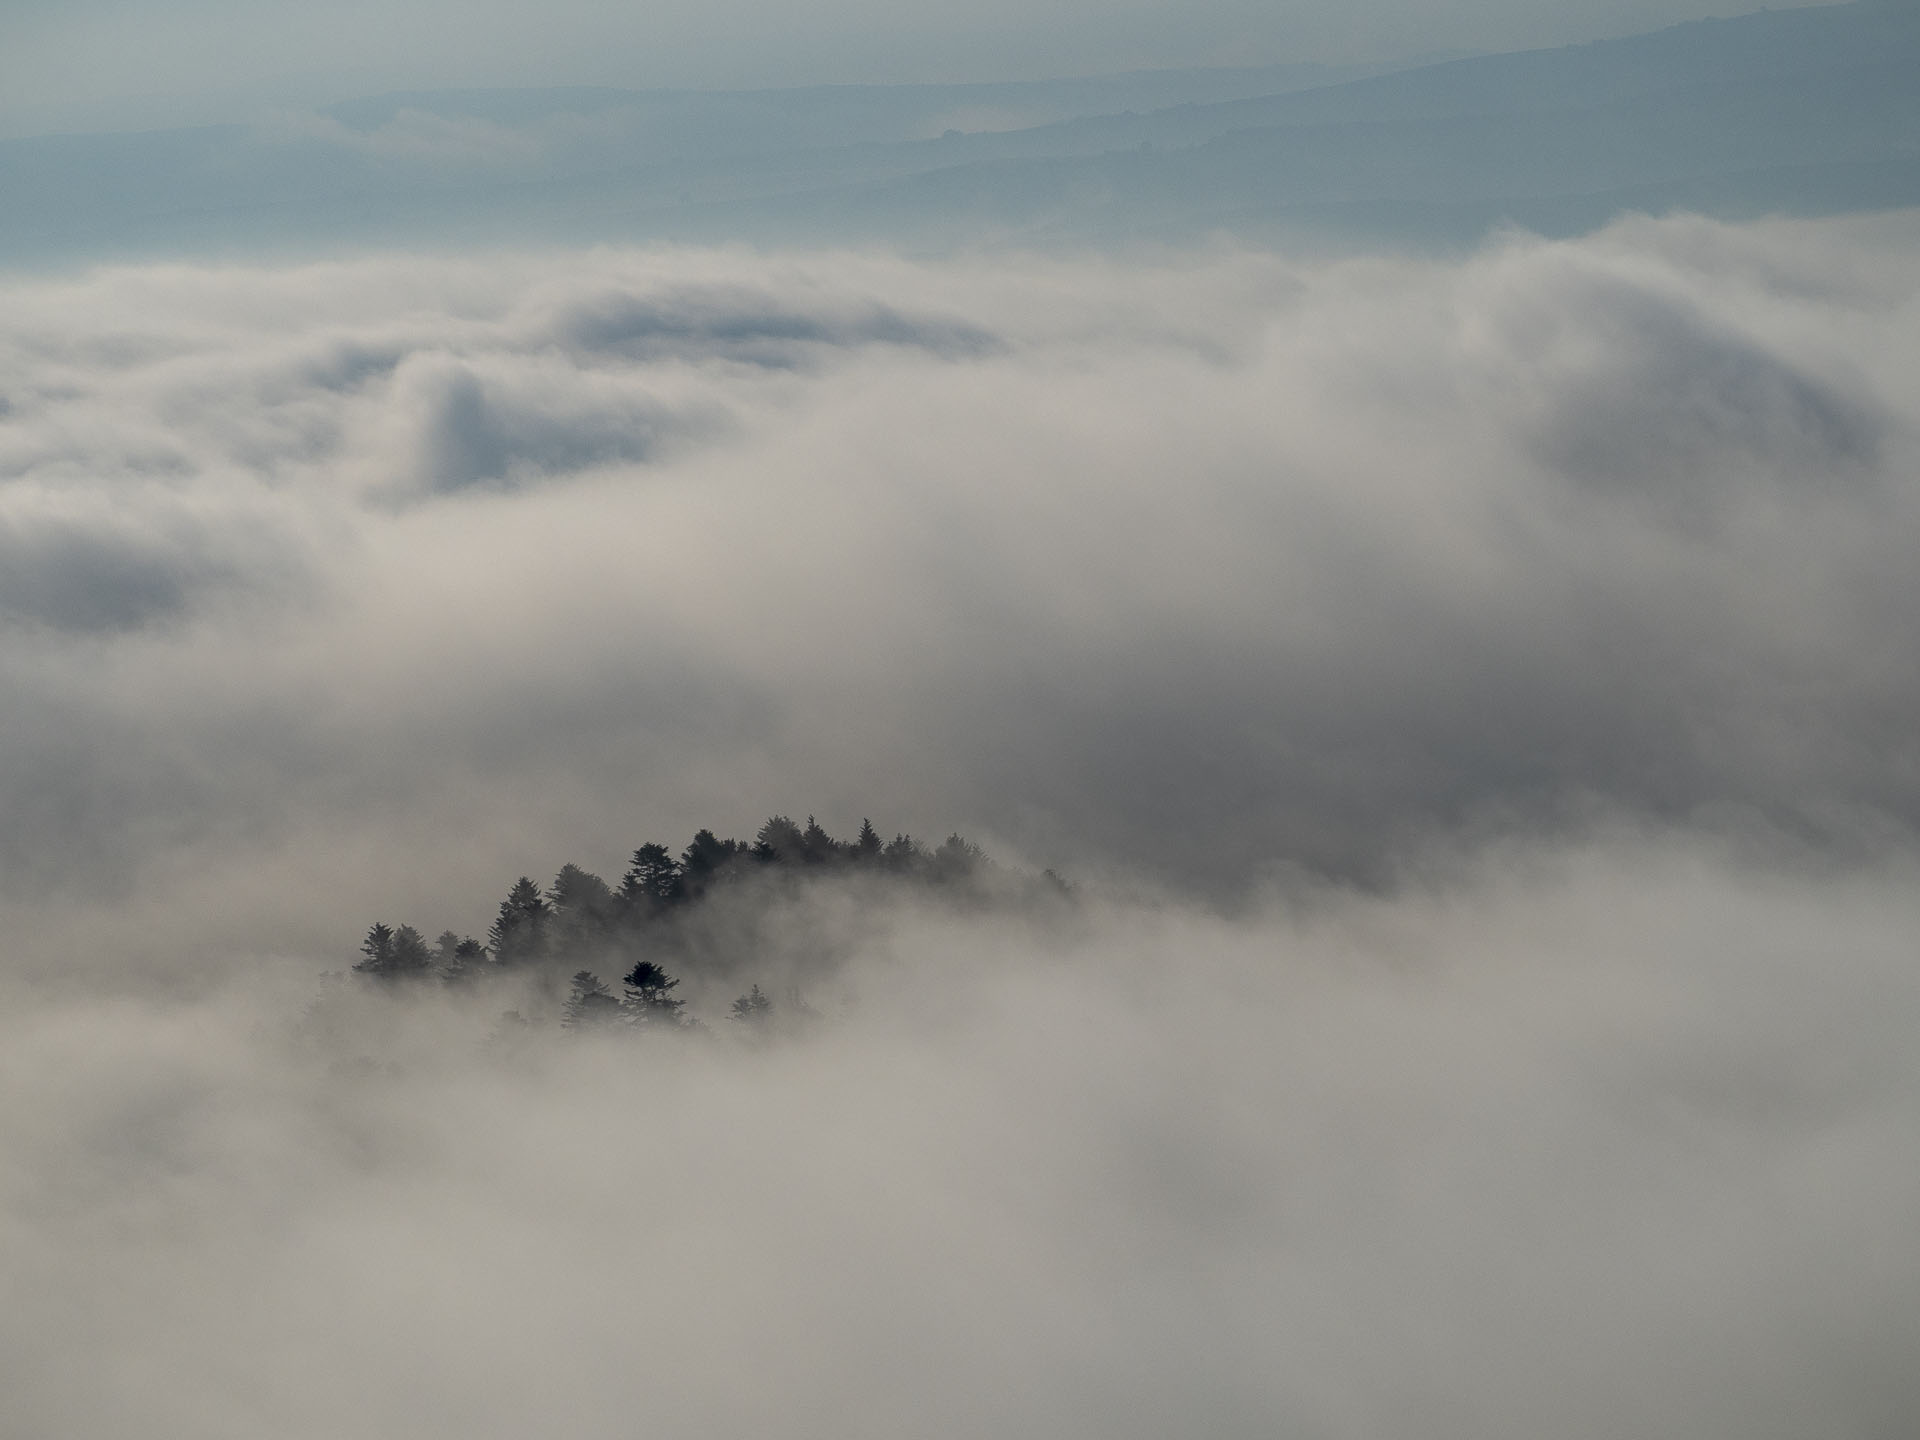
1807 111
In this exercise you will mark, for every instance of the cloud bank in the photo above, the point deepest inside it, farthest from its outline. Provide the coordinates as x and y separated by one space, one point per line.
1474 696
1212 569
1615 1143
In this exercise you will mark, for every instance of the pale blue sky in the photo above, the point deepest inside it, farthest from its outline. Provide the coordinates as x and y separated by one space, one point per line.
107 63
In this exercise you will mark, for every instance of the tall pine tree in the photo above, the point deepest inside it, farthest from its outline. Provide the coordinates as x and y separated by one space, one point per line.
653 881
376 951
519 932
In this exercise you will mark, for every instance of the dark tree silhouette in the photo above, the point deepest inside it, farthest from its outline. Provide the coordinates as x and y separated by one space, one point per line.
469 962
902 853
649 996
411 957
519 932
580 920
376 951
706 861
583 911
816 845
653 881
780 841
591 1005
394 954
955 860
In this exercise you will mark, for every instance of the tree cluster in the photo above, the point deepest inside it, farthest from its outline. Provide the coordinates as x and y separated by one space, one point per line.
580 919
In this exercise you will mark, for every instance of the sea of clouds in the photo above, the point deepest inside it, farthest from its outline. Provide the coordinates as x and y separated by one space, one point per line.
1475 699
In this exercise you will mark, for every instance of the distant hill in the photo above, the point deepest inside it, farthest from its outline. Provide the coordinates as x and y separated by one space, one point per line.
1811 111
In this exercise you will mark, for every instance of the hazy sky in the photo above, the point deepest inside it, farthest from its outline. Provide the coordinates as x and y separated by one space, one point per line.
107 62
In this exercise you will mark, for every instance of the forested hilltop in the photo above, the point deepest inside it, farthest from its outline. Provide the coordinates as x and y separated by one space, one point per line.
722 913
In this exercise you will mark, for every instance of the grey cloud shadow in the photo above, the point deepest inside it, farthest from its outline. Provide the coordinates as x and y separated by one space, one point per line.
755 327
112 577
475 437
1680 410
350 365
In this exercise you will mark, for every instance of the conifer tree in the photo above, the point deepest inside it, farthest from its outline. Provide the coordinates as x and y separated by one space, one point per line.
780 841
519 932
583 911
956 859
816 845
411 958
653 881
902 853
591 1005
469 962
376 951
649 996
752 1009
389 954
704 862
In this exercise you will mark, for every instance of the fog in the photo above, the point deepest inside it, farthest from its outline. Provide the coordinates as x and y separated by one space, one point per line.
1214 570
1472 699
1618 1142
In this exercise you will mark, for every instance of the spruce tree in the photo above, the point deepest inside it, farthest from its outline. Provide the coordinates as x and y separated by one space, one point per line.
376 952
411 958
591 1005
780 841
653 881
956 859
583 912
388 954
650 1000
752 1009
519 932
469 962
902 854
704 862
816 845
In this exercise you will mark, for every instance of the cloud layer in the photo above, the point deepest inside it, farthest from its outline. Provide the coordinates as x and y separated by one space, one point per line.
1616 1143
1209 569
1523 644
